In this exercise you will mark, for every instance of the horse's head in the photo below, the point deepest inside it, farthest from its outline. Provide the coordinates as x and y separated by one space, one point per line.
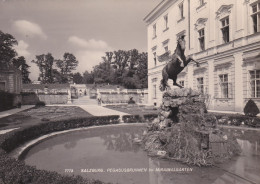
182 42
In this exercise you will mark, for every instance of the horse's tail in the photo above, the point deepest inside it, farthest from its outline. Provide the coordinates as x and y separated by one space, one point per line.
162 85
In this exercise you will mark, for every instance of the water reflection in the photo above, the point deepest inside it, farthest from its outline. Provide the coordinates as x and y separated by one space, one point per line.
113 147
121 142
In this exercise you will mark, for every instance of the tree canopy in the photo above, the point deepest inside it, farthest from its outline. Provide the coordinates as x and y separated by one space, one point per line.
127 68
7 52
45 64
20 63
63 71
66 66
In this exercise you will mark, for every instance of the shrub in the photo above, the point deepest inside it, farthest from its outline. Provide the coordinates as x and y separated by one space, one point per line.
131 101
237 120
251 108
7 100
40 104
19 105
150 117
132 119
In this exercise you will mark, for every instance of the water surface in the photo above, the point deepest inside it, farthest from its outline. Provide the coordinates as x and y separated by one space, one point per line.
109 154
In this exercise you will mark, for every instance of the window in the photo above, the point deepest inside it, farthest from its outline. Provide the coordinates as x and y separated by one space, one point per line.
2 86
166 21
254 83
154 91
181 11
225 29
202 39
166 48
154 58
181 83
256 17
224 87
202 2
200 85
154 30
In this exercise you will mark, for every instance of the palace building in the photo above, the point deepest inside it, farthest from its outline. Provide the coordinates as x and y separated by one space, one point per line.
224 36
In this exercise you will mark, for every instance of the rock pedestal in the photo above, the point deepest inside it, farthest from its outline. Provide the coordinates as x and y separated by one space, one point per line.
186 132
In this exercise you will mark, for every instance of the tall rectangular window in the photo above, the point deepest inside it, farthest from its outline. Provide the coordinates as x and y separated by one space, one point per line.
202 2
181 11
166 48
255 83
2 86
154 91
154 30
200 84
225 29
154 58
256 17
166 21
202 39
181 82
224 87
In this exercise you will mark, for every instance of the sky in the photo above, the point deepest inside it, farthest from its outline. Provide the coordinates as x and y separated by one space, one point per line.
85 28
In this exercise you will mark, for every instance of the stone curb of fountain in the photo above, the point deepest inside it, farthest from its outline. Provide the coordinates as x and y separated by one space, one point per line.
19 151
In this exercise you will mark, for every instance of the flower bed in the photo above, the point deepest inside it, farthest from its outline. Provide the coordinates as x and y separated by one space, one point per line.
13 171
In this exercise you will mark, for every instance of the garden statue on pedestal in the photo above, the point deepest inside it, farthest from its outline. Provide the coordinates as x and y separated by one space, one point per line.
184 131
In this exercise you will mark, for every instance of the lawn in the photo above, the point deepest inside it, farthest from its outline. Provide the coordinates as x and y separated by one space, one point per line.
37 115
134 109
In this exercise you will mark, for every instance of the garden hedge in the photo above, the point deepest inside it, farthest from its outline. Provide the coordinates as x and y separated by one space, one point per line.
146 118
7 100
237 120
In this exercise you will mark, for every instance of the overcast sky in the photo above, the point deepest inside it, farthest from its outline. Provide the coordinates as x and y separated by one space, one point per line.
86 28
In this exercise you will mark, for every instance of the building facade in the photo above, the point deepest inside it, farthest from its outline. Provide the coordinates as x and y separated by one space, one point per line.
11 80
224 36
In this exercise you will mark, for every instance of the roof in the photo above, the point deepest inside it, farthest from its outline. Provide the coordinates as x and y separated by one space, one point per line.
10 70
49 86
158 10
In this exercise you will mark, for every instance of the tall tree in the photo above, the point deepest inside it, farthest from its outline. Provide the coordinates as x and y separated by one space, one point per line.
127 68
142 70
20 63
45 64
88 78
7 53
66 66
77 78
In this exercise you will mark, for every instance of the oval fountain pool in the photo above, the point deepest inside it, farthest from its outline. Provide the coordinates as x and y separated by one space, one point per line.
109 154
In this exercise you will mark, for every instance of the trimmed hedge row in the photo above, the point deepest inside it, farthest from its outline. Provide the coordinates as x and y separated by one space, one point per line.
13 171
237 120
7 100
138 118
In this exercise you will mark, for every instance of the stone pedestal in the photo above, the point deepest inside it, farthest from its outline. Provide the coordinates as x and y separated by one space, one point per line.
186 132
